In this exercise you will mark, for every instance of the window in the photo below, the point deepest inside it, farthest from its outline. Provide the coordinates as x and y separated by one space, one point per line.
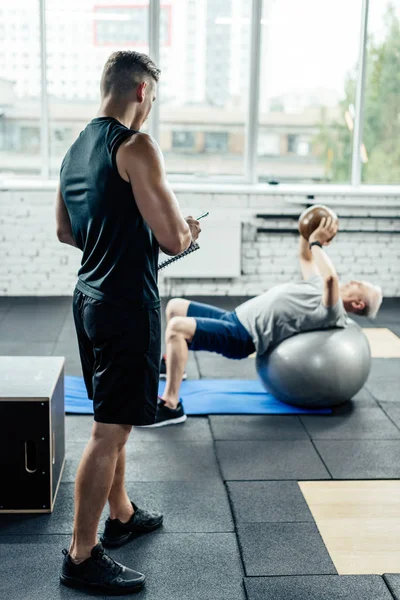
204 78
73 102
269 144
306 88
216 141
19 94
183 140
380 152
307 110
127 25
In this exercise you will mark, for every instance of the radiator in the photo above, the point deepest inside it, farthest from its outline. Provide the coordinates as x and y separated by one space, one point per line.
219 254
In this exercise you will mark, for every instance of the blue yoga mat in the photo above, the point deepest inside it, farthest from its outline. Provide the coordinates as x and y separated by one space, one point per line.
203 397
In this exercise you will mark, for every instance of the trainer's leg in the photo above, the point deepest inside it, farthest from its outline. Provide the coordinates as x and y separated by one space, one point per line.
176 307
118 499
180 332
93 484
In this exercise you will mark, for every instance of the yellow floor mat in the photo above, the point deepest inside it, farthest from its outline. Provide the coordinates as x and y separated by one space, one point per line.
384 343
359 522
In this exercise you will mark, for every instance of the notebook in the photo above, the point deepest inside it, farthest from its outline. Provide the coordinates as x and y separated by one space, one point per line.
165 263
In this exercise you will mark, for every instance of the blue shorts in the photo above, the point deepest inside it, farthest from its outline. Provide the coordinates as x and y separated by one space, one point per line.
219 331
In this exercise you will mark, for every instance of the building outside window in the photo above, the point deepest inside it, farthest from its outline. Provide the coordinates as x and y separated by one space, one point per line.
216 141
183 140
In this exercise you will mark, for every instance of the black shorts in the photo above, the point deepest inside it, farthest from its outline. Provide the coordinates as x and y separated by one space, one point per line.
120 355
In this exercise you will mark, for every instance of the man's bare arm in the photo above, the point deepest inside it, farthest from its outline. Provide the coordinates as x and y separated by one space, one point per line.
141 163
325 232
63 222
307 265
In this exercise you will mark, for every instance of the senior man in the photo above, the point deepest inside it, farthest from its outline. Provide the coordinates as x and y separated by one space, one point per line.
319 301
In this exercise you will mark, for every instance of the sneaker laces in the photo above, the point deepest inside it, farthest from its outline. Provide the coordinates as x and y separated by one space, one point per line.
113 566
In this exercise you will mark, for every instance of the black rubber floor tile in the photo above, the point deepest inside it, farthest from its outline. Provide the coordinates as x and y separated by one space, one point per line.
26 348
271 460
393 582
385 388
364 397
363 322
177 567
6 302
283 549
195 429
362 423
384 367
187 506
156 461
257 427
187 566
72 366
5 306
69 349
389 312
192 368
215 366
361 459
393 411
395 329
268 502
48 303
319 587
68 332
37 321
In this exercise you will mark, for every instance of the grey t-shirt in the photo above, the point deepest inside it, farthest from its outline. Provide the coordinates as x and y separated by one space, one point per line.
288 309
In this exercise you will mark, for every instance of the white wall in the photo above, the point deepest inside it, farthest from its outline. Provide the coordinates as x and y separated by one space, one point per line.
33 262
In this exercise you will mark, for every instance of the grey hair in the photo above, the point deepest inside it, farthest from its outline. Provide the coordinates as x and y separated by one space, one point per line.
373 300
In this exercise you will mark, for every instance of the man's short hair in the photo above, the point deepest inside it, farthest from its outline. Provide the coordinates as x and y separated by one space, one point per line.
372 299
124 70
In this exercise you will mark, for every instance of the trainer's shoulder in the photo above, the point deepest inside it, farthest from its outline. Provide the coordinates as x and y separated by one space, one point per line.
141 144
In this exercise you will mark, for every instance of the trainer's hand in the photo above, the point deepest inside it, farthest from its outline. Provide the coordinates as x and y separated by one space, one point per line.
194 227
325 232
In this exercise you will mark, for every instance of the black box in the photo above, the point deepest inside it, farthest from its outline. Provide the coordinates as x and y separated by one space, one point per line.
32 432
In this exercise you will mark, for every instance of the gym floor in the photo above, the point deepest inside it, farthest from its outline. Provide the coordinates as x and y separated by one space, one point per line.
277 507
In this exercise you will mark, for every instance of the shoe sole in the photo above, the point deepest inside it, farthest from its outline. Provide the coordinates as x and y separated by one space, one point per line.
78 584
165 423
109 543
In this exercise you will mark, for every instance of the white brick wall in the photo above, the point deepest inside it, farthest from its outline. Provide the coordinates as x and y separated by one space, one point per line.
33 262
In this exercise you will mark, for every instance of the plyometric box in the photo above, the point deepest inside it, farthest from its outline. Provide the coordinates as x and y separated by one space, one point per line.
32 432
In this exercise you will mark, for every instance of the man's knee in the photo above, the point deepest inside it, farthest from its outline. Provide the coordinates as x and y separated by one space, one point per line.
176 307
114 435
180 327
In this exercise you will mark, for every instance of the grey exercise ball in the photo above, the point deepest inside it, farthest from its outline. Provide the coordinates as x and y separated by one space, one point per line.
317 369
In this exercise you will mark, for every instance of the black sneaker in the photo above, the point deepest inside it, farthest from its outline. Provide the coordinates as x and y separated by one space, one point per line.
101 573
117 533
167 416
163 370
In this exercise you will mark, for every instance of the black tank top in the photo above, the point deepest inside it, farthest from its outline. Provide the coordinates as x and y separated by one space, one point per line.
120 253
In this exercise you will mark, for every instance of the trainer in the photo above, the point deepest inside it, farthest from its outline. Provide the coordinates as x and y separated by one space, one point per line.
319 301
115 204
